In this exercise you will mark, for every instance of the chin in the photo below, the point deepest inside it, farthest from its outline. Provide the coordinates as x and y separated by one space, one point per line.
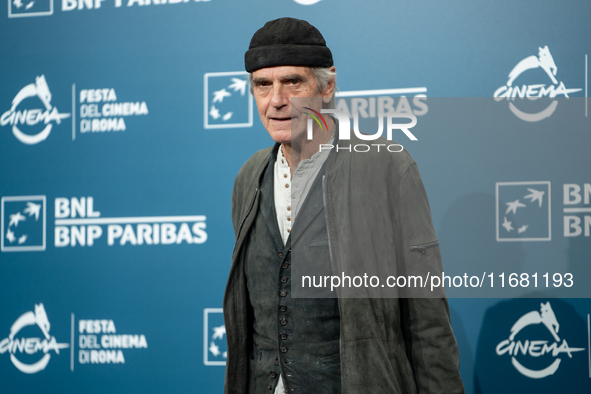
281 137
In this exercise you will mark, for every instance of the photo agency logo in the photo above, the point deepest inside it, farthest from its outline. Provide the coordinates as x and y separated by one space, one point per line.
523 211
227 101
514 93
32 116
24 348
526 346
22 223
367 109
26 8
309 109
215 348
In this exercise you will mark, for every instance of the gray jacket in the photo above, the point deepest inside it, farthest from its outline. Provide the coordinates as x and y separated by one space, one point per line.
388 345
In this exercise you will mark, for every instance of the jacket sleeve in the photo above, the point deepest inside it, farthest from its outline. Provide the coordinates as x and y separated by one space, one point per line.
245 184
430 343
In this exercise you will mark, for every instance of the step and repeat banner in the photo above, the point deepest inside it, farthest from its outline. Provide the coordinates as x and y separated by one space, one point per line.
123 124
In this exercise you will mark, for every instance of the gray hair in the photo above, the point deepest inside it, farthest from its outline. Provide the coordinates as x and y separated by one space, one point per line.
322 76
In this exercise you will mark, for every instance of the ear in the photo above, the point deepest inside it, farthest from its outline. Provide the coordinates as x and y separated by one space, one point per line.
327 94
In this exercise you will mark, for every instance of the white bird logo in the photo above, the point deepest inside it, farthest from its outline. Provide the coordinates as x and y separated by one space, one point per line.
535 195
214 349
507 225
512 206
33 209
16 218
10 236
239 85
214 112
218 96
218 332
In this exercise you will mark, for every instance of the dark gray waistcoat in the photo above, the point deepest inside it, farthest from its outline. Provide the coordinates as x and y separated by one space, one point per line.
295 337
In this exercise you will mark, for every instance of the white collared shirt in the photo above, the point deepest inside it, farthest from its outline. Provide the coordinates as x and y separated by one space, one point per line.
287 204
290 193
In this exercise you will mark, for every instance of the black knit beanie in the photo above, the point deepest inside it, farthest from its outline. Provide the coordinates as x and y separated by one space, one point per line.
287 42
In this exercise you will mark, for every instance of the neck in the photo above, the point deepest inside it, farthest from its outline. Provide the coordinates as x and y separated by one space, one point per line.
304 148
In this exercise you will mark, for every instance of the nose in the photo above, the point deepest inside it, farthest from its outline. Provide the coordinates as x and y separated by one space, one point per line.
280 97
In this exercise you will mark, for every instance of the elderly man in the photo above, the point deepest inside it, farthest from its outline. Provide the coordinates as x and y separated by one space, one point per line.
278 343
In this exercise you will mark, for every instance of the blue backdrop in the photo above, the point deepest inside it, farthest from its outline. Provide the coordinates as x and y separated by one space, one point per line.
118 154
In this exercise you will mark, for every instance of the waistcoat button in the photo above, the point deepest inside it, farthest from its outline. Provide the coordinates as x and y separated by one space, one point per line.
283 349
283 321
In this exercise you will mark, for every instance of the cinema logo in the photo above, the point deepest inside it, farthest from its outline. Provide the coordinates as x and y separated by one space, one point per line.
21 347
524 349
31 115
77 223
511 92
100 110
99 342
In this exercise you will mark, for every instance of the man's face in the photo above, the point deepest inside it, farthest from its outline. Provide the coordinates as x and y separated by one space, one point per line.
273 87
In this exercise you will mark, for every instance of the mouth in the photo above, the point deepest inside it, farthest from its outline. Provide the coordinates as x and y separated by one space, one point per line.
281 119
